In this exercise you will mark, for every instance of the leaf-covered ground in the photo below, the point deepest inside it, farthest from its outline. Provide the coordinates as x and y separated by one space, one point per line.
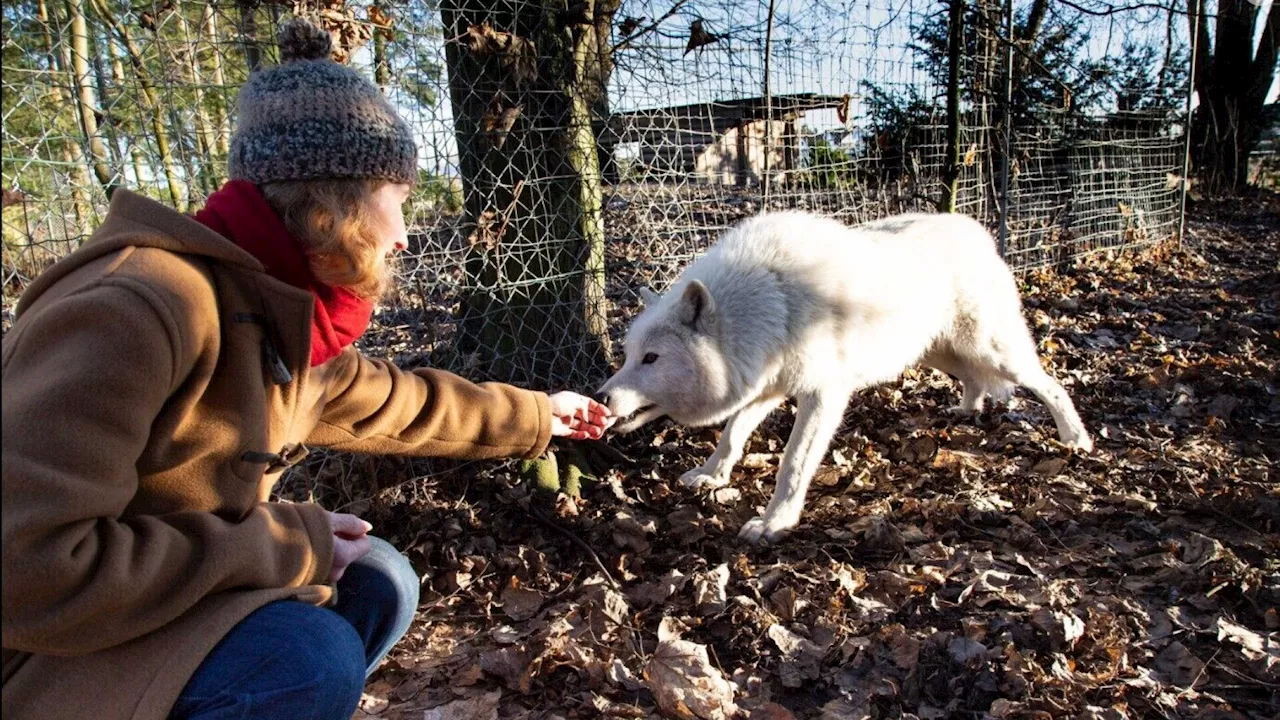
944 568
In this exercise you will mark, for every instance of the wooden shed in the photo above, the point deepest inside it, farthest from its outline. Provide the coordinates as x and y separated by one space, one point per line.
729 142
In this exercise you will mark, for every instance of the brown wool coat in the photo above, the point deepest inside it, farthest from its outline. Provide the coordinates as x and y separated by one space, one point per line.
138 424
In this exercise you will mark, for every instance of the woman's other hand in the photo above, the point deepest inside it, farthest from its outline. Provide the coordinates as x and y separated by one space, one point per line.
350 542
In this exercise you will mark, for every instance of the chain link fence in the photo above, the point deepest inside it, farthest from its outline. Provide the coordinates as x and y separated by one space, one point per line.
572 152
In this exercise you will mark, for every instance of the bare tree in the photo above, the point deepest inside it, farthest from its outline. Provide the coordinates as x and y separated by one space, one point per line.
86 101
1232 80
151 100
524 79
186 56
58 59
210 30
249 33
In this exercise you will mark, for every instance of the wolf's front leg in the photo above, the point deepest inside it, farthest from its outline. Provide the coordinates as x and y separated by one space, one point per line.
817 418
733 440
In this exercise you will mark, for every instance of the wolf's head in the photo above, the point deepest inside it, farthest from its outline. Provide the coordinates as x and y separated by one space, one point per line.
674 362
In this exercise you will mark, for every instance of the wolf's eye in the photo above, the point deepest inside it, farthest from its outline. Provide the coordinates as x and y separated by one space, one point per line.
649 359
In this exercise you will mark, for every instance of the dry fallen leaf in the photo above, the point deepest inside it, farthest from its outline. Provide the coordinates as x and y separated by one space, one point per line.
1264 651
857 708
498 119
619 674
1063 629
709 590
686 525
878 533
698 36
903 648
630 24
653 593
511 664
518 55
1178 666
801 656
683 681
957 459
520 603
479 707
630 533
770 711
1050 466
965 650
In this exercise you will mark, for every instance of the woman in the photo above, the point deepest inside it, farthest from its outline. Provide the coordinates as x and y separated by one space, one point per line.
158 381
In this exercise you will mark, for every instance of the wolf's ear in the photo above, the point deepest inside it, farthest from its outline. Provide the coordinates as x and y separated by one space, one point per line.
697 307
649 297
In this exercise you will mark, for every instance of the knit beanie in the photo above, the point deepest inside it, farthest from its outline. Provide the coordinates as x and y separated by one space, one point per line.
310 118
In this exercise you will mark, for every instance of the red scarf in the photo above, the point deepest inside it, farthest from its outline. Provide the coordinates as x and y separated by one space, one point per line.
241 214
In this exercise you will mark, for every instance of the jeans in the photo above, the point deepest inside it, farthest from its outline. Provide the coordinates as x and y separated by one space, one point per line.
289 659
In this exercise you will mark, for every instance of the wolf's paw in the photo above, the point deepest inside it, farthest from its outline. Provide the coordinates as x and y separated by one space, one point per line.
1078 440
699 479
760 530
960 411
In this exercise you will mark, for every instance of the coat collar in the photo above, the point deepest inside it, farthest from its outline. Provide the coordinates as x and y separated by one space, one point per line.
137 221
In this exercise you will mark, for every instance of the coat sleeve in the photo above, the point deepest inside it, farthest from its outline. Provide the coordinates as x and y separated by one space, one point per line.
371 406
84 378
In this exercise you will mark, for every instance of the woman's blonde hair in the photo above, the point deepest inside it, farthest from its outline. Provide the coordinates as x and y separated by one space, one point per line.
333 221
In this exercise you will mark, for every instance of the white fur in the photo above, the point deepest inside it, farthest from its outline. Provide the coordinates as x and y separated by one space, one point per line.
796 305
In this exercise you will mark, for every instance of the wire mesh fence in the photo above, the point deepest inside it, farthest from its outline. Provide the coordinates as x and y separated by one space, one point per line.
572 152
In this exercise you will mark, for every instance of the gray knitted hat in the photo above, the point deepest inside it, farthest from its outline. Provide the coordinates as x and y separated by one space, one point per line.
310 118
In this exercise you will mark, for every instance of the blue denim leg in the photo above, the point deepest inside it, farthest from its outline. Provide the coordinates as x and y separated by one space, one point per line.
293 660
286 660
378 595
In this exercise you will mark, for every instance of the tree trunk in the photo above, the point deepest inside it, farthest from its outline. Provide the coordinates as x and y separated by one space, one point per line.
107 123
951 170
1232 82
80 206
381 63
135 154
1027 35
601 67
59 62
126 146
249 34
151 101
208 160
86 101
210 23
1166 67
531 177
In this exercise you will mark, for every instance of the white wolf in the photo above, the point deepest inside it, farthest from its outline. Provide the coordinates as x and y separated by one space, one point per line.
796 305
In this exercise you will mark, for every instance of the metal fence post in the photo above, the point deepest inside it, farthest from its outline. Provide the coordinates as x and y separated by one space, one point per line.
766 181
1008 125
1186 128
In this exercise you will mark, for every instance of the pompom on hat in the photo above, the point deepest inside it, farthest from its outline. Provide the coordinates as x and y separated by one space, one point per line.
310 118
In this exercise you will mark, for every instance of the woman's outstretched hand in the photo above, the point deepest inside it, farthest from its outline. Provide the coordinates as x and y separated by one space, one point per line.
578 417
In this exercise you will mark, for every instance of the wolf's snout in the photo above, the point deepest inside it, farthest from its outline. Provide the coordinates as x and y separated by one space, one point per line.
602 398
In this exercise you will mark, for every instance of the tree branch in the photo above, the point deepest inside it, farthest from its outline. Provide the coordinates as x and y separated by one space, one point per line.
626 42
1203 51
1109 9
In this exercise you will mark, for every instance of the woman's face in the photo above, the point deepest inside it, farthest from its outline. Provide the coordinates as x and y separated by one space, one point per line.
386 206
